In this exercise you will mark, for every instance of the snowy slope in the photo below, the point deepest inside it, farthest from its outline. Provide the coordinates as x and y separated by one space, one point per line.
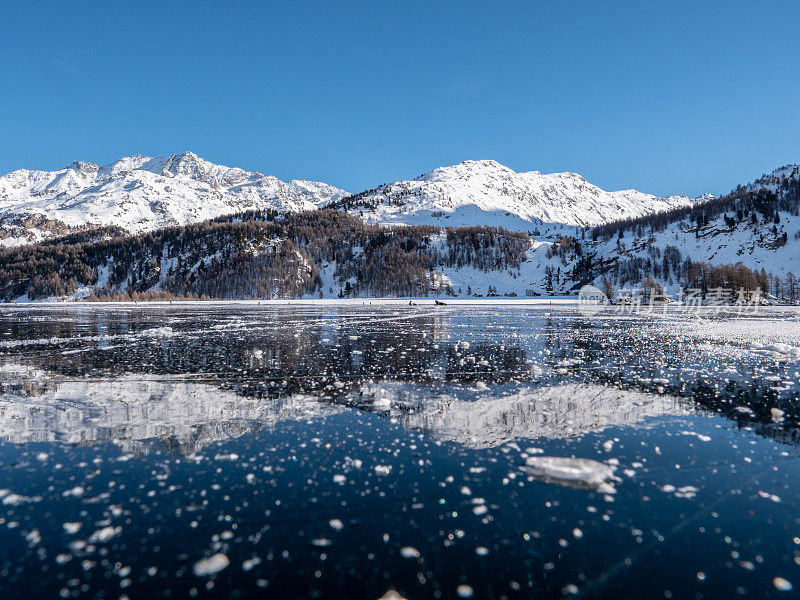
756 244
139 193
485 192
773 181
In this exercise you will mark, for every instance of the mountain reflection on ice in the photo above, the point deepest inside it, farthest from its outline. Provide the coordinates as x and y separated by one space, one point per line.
134 413
138 414
489 418
346 451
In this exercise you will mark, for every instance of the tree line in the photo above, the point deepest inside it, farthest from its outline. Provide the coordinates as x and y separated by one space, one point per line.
756 205
257 254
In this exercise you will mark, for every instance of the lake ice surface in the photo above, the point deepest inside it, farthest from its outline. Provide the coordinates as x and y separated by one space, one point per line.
387 451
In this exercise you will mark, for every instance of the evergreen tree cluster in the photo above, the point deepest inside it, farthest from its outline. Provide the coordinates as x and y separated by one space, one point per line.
262 254
755 206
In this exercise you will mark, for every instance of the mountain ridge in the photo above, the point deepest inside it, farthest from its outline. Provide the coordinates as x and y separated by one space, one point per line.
743 240
141 193
485 192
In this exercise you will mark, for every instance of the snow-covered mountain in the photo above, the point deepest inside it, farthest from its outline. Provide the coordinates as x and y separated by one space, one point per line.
139 193
739 227
484 192
757 224
639 236
774 181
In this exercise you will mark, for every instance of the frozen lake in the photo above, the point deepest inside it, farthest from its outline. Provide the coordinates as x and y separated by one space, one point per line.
347 450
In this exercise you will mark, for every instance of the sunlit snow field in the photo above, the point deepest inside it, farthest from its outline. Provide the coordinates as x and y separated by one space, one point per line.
345 450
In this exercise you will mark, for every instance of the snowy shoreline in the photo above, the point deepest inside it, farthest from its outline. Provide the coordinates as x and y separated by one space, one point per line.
431 301
558 301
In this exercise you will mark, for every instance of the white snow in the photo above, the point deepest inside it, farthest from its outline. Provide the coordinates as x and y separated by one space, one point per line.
382 402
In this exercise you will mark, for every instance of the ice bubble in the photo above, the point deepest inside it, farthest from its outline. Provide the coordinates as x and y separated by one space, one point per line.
105 534
409 552
33 537
212 564
570 589
250 563
72 527
336 524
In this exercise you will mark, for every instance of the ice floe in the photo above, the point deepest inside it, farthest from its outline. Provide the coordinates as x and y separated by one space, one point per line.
578 472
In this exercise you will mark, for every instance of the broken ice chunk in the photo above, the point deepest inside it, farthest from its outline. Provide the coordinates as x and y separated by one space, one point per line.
574 472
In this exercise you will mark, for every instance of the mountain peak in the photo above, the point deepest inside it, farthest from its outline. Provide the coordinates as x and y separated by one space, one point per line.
485 192
466 168
485 163
84 167
189 164
140 193
771 181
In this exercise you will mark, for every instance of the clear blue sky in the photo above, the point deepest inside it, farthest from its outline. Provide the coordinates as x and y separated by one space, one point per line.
669 97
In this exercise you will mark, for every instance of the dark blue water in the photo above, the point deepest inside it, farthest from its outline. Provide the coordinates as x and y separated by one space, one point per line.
347 451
